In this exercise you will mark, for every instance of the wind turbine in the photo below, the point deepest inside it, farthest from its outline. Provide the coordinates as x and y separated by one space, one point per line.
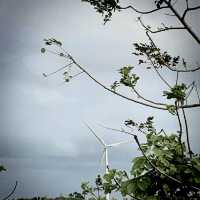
105 150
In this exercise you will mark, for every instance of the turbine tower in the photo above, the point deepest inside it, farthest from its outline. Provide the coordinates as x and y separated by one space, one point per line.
105 150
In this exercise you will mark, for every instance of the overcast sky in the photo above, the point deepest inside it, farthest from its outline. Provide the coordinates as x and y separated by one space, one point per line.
43 141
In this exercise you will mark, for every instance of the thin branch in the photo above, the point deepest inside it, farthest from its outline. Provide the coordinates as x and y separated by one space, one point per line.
190 31
159 30
52 73
158 73
190 106
187 133
12 191
155 167
187 4
189 93
182 70
147 100
68 56
112 91
188 10
142 12
161 77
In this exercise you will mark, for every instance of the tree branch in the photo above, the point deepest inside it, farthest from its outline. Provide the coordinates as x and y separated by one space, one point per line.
188 10
112 91
170 68
162 107
142 12
192 33
12 191
147 100
160 29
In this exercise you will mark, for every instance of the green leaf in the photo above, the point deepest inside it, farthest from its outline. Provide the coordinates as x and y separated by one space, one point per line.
2 168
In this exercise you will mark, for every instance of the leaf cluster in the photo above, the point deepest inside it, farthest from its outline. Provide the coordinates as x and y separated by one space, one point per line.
105 7
158 58
127 79
177 92
2 168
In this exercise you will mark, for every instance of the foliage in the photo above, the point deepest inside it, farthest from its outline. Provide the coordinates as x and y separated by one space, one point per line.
105 7
127 79
146 182
2 168
177 92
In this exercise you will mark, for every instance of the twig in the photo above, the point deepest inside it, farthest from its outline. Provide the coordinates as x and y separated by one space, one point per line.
147 100
52 73
142 12
190 31
12 191
159 30
189 9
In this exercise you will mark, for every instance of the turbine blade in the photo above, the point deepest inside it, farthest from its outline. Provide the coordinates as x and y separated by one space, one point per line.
100 140
118 143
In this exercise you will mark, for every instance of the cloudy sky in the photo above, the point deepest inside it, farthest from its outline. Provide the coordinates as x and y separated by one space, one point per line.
43 141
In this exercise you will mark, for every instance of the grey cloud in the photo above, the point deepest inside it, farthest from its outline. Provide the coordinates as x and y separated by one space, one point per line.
42 133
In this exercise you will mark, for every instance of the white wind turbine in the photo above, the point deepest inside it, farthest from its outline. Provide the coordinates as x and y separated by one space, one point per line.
105 150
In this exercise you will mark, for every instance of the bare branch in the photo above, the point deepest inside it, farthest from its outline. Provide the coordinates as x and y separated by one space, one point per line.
187 27
188 10
147 100
190 106
161 107
143 12
182 70
12 192
52 73
160 29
